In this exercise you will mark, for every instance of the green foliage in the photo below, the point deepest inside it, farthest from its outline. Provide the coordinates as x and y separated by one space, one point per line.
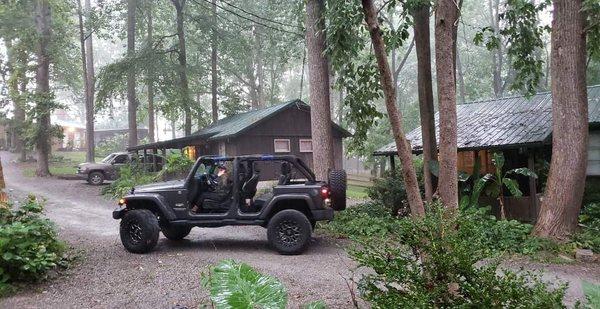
592 12
500 180
362 220
129 177
390 192
524 39
238 285
592 294
29 244
177 165
111 145
430 263
589 235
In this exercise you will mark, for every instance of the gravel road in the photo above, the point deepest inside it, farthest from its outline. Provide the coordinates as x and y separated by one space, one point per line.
110 277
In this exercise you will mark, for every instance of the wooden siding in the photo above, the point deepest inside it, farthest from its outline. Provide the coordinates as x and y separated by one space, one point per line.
466 161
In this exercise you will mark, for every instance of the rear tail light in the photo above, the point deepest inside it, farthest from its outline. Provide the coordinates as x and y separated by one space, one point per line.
325 192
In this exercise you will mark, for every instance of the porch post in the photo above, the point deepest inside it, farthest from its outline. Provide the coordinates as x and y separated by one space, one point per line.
392 164
154 166
532 187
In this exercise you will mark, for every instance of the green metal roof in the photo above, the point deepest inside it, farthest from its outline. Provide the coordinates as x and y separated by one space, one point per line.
502 123
233 126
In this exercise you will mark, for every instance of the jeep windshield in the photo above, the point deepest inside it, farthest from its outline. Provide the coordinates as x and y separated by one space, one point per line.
108 158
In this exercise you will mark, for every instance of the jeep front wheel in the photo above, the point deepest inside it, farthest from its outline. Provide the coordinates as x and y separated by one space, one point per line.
139 231
176 232
96 178
289 232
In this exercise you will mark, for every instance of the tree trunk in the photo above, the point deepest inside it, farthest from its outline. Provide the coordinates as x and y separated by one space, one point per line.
182 58
425 89
446 16
89 123
564 190
150 79
42 78
320 112
91 90
131 98
497 54
460 79
17 87
213 61
404 152
258 60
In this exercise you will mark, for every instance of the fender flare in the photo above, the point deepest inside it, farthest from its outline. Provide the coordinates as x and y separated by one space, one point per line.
286 197
158 200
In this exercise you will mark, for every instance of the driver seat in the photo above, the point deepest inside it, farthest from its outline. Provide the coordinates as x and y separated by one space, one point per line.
250 186
286 174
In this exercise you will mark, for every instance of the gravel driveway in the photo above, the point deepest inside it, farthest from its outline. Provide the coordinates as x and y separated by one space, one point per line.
110 277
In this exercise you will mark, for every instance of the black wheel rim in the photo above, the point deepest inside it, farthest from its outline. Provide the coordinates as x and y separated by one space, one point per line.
289 233
95 179
135 232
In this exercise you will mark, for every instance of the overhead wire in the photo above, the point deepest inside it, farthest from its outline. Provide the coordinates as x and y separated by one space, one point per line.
258 16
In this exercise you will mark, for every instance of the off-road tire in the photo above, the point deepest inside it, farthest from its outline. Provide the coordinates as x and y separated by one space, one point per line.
139 231
289 232
337 187
174 232
95 178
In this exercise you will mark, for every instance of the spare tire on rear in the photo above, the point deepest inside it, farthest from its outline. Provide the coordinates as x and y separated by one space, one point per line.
337 187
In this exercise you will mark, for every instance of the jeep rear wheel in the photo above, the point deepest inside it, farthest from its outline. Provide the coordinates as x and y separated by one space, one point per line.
289 232
139 231
96 178
175 232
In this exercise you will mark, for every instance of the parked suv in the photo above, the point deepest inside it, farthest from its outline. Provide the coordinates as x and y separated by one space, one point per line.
108 168
222 191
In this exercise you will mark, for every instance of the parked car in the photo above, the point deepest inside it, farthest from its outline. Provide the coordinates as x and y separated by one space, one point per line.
288 210
108 168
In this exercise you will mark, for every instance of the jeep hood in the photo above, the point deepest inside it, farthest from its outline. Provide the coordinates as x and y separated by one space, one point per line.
160 186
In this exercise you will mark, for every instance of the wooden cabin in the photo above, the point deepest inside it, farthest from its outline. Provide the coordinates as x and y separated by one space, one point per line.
278 129
521 129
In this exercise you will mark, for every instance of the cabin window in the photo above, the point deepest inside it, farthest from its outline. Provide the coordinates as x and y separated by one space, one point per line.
305 145
282 145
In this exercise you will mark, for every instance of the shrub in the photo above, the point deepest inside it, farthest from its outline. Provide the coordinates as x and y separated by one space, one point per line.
589 235
129 177
430 263
390 192
363 220
177 165
28 244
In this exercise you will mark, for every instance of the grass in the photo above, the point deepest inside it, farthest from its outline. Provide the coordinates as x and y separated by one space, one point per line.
64 163
356 192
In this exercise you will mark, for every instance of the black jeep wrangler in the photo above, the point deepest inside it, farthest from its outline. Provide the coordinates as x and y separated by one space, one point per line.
289 205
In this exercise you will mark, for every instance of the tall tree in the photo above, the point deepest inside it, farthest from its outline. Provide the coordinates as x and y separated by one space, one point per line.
564 190
318 72
213 63
446 18
17 91
385 74
150 74
182 69
131 97
425 90
88 95
43 95
91 80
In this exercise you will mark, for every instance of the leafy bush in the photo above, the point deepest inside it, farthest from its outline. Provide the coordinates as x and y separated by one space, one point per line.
28 244
113 144
363 220
177 165
238 285
592 294
589 235
390 192
129 177
432 262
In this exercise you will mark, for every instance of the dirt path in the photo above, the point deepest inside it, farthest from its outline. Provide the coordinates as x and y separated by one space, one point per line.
110 277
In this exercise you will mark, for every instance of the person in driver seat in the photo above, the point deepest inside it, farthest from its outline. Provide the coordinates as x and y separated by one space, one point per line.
222 185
